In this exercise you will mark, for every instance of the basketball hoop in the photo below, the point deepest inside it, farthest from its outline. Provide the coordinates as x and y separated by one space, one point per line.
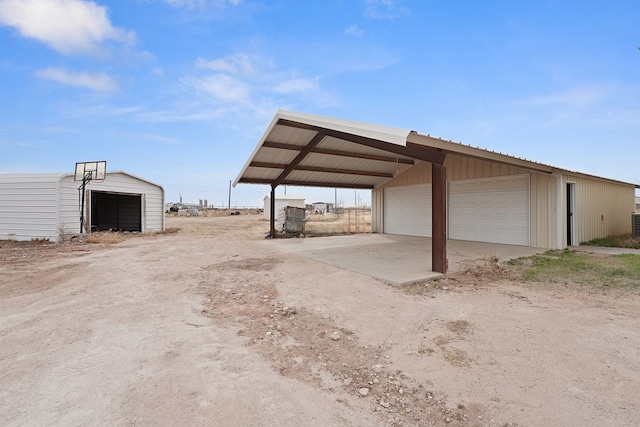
85 172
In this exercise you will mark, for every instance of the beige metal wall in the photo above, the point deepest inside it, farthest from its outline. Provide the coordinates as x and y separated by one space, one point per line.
601 208
458 167
543 196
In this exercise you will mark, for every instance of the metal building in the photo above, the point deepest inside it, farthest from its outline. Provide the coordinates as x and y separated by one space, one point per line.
281 202
427 186
47 206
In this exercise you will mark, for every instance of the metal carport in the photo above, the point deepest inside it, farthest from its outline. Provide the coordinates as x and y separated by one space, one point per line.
308 150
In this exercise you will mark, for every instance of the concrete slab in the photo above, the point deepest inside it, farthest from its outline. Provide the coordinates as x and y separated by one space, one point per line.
392 258
607 251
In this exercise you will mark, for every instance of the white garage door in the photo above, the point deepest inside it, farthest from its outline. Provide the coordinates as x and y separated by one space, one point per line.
407 210
490 210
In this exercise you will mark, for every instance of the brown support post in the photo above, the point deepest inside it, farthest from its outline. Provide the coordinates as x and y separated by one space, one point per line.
272 208
439 218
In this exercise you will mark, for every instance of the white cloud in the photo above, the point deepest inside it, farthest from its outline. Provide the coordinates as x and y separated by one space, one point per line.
245 80
240 85
68 26
297 85
221 87
200 4
354 30
233 64
96 81
576 97
385 9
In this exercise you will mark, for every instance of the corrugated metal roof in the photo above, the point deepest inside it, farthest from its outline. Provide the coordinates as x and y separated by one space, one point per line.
310 150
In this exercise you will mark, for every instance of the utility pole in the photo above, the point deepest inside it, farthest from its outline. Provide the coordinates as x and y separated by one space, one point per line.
229 194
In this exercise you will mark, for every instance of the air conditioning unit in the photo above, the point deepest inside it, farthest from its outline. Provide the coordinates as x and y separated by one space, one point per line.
635 225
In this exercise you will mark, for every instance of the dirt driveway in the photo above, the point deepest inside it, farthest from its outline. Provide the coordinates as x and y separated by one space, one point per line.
210 326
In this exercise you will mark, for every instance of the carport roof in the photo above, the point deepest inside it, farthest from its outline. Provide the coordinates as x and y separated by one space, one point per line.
300 149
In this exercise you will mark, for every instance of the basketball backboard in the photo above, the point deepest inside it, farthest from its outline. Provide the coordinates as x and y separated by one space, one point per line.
86 171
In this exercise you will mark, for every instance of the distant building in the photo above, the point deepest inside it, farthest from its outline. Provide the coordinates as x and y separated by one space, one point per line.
281 203
638 205
319 208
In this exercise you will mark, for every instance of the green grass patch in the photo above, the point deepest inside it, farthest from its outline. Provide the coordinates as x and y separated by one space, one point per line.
569 266
624 241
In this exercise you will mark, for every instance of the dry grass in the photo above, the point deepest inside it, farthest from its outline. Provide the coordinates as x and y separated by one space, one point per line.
104 237
169 230
27 243
456 357
487 268
459 327
218 212
348 222
623 241
450 353
441 340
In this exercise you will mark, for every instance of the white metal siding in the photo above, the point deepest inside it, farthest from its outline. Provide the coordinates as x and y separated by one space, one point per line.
28 206
492 210
407 210
69 205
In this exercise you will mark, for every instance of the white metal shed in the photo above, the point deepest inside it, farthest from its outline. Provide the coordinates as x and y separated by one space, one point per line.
47 206
281 203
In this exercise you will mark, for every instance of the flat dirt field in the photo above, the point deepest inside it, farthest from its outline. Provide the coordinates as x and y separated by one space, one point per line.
214 326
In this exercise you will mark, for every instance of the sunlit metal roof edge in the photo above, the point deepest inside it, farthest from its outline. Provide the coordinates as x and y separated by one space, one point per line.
387 134
449 143
392 135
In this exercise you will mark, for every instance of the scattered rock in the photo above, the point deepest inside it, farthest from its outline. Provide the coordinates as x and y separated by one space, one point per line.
364 391
335 336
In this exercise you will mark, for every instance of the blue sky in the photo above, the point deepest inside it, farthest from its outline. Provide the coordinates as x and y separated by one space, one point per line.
180 91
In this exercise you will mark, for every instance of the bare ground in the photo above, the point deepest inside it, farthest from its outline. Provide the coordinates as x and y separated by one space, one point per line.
213 326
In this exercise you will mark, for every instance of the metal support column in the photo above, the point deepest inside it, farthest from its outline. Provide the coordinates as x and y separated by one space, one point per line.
272 208
439 261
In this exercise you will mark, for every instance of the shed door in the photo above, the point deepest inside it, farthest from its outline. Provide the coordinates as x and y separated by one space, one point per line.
116 211
494 210
407 210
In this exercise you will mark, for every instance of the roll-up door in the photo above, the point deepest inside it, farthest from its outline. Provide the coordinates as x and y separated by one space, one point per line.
116 211
407 210
494 210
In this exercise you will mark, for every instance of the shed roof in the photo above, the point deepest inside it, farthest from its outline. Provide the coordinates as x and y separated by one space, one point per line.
309 150
59 175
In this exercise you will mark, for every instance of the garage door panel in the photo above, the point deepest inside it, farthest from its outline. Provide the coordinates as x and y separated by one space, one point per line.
407 210
490 210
